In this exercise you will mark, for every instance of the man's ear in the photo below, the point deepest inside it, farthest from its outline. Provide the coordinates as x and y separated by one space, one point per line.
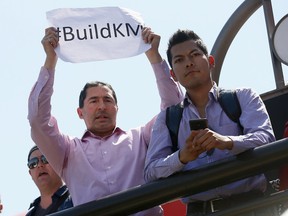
79 111
173 75
211 61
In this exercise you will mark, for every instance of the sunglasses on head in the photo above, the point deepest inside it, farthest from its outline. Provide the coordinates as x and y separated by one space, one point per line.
33 162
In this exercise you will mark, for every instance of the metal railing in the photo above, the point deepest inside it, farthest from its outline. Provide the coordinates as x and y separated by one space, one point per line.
251 162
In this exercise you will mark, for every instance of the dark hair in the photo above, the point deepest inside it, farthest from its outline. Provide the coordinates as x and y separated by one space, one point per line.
88 85
34 148
181 36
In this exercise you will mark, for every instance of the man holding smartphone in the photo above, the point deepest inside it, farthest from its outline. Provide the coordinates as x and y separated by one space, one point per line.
192 66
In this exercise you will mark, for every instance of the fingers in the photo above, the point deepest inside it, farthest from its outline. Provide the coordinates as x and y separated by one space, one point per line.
154 40
201 140
208 143
209 139
148 35
205 140
193 147
50 38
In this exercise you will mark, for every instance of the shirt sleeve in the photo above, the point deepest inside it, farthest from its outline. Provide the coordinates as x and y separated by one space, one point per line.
161 161
257 127
44 128
170 91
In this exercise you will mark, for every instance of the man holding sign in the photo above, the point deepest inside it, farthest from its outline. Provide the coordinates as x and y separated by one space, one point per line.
106 159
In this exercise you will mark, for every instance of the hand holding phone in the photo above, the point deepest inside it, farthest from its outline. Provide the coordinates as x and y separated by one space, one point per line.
197 124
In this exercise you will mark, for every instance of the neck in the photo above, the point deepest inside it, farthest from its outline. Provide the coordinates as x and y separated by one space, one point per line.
47 193
103 133
200 98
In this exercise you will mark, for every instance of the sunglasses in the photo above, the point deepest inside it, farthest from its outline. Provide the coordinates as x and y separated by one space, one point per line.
33 162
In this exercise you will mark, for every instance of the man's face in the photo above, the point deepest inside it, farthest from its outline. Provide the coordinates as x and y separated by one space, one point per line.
43 174
190 65
99 111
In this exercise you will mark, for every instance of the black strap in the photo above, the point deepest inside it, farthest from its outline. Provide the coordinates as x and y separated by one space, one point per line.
173 118
229 102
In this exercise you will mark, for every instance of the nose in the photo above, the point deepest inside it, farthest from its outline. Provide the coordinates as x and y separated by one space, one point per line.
189 62
40 164
101 105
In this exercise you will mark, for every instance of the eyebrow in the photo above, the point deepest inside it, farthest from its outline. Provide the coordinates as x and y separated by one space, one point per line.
35 157
93 97
192 51
97 97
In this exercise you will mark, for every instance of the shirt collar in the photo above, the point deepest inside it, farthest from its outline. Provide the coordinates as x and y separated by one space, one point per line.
88 133
213 94
61 191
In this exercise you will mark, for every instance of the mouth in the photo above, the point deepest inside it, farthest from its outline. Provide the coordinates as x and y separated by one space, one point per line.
101 116
42 173
190 72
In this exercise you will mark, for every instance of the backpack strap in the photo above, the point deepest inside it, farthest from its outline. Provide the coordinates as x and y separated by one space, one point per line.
173 118
229 102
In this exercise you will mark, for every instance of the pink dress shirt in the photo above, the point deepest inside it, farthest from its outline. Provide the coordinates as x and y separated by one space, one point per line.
91 166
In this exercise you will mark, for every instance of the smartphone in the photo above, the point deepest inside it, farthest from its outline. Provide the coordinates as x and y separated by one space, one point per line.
197 124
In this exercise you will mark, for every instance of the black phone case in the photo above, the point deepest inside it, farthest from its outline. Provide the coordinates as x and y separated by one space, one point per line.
197 124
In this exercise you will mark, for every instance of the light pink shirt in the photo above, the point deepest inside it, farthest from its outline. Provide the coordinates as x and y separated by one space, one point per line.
94 167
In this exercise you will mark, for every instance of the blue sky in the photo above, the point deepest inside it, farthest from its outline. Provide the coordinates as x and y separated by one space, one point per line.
23 23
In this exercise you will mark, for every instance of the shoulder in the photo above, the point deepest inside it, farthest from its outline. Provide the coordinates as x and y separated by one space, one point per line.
240 91
33 206
63 192
245 91
247 94
68 203
249 99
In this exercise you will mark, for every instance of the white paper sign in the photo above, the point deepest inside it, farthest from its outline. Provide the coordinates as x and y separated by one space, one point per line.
93 34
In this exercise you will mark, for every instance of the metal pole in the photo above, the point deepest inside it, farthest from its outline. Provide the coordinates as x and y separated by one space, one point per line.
270 26
229 31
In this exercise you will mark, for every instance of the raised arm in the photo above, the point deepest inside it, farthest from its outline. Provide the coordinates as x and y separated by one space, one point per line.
43 126
169 90
50 42
150 37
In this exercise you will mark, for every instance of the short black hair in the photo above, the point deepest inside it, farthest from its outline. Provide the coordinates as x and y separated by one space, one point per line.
83 92
34 148
181 36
